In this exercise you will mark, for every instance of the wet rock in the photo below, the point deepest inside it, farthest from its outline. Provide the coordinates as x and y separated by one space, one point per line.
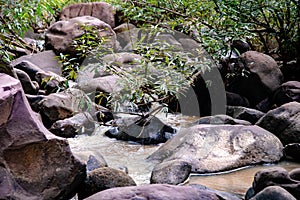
276 176
144 130
284 122
274 193
171 172
155 192
39 62
264 77
247 114
34 164
100 10
221 119
292 151
102 179
29 87
61 34
81 123
215 148
62 105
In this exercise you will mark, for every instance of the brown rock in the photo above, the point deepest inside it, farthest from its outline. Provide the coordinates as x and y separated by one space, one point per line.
264 77
276 176
101 10
104 178
284 122
273 193
61 34
62 105
34 164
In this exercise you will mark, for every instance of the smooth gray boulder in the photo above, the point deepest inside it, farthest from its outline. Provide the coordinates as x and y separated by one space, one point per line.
215 148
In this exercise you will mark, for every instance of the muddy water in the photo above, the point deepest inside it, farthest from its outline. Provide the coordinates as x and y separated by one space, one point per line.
133 156
237 181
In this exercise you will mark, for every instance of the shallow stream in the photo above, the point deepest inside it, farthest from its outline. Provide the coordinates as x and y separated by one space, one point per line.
133 156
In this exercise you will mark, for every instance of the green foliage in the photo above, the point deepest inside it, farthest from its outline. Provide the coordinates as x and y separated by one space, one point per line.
89 43
271 26
19 16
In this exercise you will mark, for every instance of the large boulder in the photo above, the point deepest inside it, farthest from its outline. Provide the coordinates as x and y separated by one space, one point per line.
61 34
156 192
104 178
275 177
264 77
100 10
34 164
284 122
214 148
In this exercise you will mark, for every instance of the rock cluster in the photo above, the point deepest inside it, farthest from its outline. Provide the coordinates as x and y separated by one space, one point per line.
259 122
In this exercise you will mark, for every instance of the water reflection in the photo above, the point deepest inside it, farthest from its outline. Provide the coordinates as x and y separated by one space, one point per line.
237 181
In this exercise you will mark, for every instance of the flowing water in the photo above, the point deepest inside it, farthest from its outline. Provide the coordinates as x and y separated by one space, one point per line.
133 156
